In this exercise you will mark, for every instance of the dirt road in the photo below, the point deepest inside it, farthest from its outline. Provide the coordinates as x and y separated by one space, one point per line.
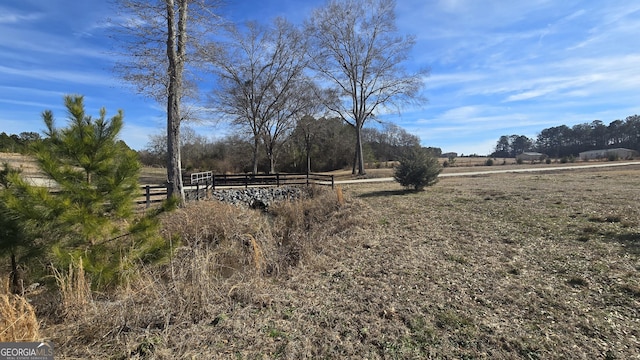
485 172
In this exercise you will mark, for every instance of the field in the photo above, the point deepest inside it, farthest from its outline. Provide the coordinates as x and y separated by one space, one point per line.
502 266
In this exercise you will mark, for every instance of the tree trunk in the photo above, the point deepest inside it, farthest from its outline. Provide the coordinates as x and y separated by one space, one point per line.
359 154
175 54
255 156
15 277
355 160
272 163
307 148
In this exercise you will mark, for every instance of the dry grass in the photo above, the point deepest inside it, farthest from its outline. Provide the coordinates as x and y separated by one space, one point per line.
75 290
18 320
506 266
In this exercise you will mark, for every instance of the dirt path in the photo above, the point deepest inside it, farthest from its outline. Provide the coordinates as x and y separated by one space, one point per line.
487 172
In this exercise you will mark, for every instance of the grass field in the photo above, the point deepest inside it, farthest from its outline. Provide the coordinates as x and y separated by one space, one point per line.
502 266
507 266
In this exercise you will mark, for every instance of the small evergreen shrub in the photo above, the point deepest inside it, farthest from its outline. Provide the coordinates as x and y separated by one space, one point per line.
489 162
548 161
417 169
519 161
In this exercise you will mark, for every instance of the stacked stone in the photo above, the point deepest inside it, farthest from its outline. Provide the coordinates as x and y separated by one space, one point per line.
258 197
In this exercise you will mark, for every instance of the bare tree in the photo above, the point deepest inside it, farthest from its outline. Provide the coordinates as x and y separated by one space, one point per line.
259 73
298 101
356 50
155 36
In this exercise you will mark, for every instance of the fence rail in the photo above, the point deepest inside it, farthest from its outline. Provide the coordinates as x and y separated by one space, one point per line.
198 181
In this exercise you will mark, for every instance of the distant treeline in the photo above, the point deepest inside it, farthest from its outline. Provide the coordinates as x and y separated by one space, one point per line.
562 141
327 141
17 143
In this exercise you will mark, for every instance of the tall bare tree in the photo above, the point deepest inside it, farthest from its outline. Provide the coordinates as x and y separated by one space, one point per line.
159 39
259 72
299 100
357 51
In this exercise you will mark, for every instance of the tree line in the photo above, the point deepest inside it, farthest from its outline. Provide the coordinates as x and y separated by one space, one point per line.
314 145
563 141
18 143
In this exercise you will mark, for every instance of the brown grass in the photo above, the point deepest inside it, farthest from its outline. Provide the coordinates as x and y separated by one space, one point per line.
75 290
503 266
17 319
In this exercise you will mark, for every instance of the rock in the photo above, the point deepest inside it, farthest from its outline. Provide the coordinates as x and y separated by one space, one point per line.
256 198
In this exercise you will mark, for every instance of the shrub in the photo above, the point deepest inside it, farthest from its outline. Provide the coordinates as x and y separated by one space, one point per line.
489 162
548 161
519 161
417 169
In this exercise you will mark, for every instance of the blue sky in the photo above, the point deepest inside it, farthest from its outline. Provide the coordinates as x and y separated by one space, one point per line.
497 67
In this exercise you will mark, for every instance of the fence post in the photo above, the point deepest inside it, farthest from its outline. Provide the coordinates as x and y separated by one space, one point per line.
148 195
307 179
246 181
277 179
213 182
198 190
332 181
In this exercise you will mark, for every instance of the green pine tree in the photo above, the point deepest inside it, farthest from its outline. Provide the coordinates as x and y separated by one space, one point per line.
14 241
417 169
90 213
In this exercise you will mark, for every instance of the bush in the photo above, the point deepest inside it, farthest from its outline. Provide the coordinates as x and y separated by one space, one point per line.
489 162
547 161
417 169
519 161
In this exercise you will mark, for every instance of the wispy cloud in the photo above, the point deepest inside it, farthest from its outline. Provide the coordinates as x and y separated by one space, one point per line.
9 16
63 76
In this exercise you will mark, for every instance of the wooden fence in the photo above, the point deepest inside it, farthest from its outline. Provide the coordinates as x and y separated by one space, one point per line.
207 180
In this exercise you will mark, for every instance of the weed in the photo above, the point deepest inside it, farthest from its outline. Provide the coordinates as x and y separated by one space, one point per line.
74 288
274 332
457 259
422 334
452 320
